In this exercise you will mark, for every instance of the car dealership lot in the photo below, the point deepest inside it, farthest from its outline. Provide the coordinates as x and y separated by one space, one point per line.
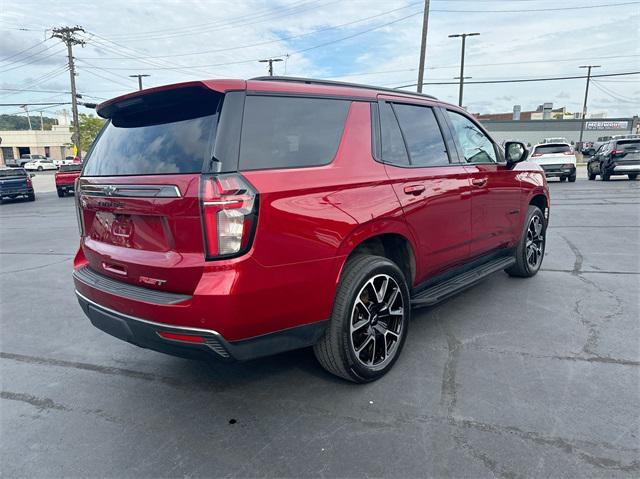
512 378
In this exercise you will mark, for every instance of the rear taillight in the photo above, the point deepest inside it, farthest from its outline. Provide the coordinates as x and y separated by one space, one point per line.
29 184
617 152
79 214
570 152
568 165
229 214
537 154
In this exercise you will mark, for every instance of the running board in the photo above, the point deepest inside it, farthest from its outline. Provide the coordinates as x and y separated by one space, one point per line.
441 291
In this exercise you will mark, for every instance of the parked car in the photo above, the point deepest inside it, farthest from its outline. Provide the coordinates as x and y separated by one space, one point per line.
67 161
558 160
15 182
40 165
559 139
65 178
236 219
23 160
616 157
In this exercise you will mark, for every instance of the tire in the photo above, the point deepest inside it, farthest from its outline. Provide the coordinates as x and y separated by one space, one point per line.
633 176
39 168
363 276
523 268
572 179
60 193
592 176
604 176
31 197
563 179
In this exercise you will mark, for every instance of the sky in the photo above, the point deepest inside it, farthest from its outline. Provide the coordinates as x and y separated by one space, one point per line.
365 41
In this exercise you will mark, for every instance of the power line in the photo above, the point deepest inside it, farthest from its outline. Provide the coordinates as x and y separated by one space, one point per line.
24 51
522 80
278 40
583 7
34 60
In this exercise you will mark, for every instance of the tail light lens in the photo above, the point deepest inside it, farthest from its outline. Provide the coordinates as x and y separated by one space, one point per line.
570 152
537 154
617 152
79 214
29 184
229 214
568 165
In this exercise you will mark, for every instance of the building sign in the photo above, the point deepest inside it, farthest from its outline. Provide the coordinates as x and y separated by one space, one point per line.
607 125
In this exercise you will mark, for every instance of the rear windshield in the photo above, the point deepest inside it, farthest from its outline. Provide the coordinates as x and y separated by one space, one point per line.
65 168
161 133
629 144
551 149
12 173
283 132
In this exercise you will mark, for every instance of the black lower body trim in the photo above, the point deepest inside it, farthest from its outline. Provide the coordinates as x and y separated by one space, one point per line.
144 333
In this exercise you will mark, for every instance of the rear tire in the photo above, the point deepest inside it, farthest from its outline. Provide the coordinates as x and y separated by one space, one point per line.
369 321
572 179
563 179
633 176
604 176
530 250
592 176
31 197
60 193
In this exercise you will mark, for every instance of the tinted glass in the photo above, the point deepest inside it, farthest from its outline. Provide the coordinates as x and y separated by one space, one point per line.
13 172
629 144
173 147
551 149
422 135
393 149
64 168
476 147
279 132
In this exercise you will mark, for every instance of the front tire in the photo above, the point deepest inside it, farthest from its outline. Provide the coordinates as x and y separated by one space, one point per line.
604 176
530 250
369 321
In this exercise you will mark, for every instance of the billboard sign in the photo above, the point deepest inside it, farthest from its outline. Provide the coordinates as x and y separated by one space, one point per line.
607 125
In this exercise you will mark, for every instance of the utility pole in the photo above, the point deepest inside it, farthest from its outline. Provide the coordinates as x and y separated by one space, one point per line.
270 62
68 37
586 94
464 41
423 46
41 122
26 109
139 77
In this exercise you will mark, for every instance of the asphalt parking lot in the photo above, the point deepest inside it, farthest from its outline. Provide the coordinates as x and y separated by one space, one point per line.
512 378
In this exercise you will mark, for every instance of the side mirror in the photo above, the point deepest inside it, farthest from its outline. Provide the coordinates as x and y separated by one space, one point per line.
515 152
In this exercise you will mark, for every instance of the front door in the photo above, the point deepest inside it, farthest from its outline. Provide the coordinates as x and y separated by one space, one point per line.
495 189
432 189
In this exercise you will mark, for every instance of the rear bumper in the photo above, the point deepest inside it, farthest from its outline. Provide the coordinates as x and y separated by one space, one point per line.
16 192
558 171
146 334
625 169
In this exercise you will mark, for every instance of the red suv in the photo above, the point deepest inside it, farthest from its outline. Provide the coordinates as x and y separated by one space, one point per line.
236 219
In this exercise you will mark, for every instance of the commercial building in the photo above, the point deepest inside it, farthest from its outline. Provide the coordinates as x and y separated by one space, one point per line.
54 143
533 131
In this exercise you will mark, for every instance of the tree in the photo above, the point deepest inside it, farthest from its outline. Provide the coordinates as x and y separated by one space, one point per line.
90 126
17 122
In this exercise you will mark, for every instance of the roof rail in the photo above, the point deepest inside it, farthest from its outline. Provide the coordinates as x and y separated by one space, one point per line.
311 81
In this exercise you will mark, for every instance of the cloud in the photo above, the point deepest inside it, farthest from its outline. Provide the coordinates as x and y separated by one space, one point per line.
536 45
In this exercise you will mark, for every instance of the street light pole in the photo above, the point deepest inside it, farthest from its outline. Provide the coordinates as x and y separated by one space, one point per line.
586 94
464 42
423 45
270 62
139 77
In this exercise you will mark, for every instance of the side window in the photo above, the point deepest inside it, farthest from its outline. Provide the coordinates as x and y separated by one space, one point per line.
283 132
422 135
476 147
393 149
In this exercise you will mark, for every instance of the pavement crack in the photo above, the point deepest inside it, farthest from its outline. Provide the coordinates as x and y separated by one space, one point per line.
37 267
40 403
449 391
577 265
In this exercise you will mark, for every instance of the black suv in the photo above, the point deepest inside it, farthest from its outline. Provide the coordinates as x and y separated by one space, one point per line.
616 157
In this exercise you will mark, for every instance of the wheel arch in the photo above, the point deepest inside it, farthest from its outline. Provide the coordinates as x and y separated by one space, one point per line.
389 239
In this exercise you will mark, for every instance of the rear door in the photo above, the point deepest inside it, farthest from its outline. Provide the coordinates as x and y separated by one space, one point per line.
496 190
431 186
139 189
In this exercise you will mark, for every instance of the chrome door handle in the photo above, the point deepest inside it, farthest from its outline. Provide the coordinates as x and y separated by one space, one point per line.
479 182
414 190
